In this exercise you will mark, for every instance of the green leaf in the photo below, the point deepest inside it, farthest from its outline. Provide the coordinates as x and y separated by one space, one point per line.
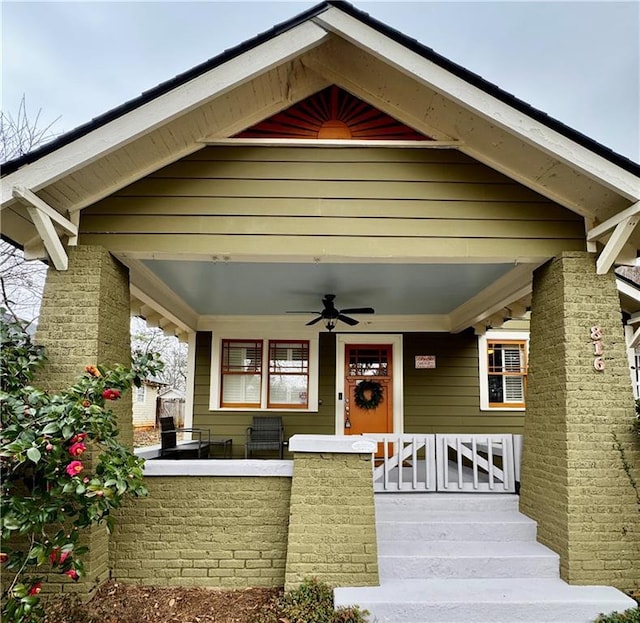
34 454
50 428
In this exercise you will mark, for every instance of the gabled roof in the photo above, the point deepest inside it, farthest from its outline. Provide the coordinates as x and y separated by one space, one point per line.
331 44
408 42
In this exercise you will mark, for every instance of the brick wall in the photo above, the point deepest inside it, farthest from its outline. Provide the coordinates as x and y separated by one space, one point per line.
573 478
84 319
332 533
228 532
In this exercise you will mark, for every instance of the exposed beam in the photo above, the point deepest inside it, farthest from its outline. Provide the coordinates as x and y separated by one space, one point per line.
31 200
49 235
635 339
315 142
616 243
45 220
600 230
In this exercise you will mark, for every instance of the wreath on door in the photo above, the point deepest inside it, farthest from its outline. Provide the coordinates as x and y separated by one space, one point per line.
368 394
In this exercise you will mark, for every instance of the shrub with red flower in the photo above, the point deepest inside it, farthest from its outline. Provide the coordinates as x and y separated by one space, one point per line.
111 394
39 433
74 468
77 448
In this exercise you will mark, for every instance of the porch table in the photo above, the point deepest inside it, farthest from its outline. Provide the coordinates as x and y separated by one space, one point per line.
226 443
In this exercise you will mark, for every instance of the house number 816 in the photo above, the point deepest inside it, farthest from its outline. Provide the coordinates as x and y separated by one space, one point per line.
596 340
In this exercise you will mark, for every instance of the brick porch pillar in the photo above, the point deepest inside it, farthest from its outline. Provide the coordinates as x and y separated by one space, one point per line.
332 523
84 320
578 437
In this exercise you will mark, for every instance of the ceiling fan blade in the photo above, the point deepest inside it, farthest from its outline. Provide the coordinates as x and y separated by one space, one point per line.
311 322
302 312
358 310
347 320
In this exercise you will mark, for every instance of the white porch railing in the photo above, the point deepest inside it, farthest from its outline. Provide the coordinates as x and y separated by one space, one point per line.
407 463
452 462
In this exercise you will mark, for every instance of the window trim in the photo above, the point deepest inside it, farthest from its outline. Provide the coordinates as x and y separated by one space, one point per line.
260 372
215 387
483 365
270 373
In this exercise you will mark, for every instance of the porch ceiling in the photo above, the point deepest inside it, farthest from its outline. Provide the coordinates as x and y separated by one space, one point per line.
247 289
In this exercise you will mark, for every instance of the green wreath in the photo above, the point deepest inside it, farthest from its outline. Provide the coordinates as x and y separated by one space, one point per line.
374 391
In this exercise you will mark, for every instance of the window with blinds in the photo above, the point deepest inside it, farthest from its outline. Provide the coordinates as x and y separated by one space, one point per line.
507 372
288 374
241 373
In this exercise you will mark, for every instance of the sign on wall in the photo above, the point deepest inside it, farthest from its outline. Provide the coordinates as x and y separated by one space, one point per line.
425 361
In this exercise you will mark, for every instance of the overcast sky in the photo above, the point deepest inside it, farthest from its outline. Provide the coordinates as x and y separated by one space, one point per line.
577 61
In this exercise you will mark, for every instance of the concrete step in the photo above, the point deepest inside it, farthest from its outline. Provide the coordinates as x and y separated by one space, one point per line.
463 559
396 503
483 601
452 525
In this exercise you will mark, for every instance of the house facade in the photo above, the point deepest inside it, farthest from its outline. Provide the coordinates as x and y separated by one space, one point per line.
332 167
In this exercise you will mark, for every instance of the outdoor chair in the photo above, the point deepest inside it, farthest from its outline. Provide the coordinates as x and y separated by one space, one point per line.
170 449
266 433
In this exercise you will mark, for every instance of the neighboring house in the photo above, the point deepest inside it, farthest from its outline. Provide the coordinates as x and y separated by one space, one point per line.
332 155
145 403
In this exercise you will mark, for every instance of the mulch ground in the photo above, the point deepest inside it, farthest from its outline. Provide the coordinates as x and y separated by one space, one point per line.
120 603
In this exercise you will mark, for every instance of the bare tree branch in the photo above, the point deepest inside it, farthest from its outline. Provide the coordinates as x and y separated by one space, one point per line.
21 133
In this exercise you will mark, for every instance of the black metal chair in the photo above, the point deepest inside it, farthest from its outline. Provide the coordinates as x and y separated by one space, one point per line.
170 449
265 434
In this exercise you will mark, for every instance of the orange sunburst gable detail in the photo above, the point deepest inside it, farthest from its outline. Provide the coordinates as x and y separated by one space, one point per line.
332 114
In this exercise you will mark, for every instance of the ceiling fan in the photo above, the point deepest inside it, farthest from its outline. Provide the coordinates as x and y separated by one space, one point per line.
332 315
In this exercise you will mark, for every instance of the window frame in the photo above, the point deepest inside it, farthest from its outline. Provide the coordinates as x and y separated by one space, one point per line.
215 390
483 366
140 394
249 373
270 374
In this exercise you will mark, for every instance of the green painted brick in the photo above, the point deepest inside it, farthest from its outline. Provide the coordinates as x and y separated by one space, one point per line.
231 531
573 480
332 521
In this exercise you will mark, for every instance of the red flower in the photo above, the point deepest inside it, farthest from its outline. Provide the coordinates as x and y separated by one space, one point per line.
78 437
93 371
58 556
111 394
49 447
86 403
74 468
35 589
77 449
3 557
73 574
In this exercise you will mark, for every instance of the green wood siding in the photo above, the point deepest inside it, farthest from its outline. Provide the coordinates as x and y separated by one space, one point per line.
447 399
259 198
441 400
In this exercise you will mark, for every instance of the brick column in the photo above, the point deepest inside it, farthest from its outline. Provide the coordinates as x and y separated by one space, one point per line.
578 436
84 319
332 530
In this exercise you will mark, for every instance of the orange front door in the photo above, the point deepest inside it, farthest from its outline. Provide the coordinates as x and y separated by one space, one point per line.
368 410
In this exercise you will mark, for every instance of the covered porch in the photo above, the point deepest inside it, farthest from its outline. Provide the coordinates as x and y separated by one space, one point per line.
481 233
